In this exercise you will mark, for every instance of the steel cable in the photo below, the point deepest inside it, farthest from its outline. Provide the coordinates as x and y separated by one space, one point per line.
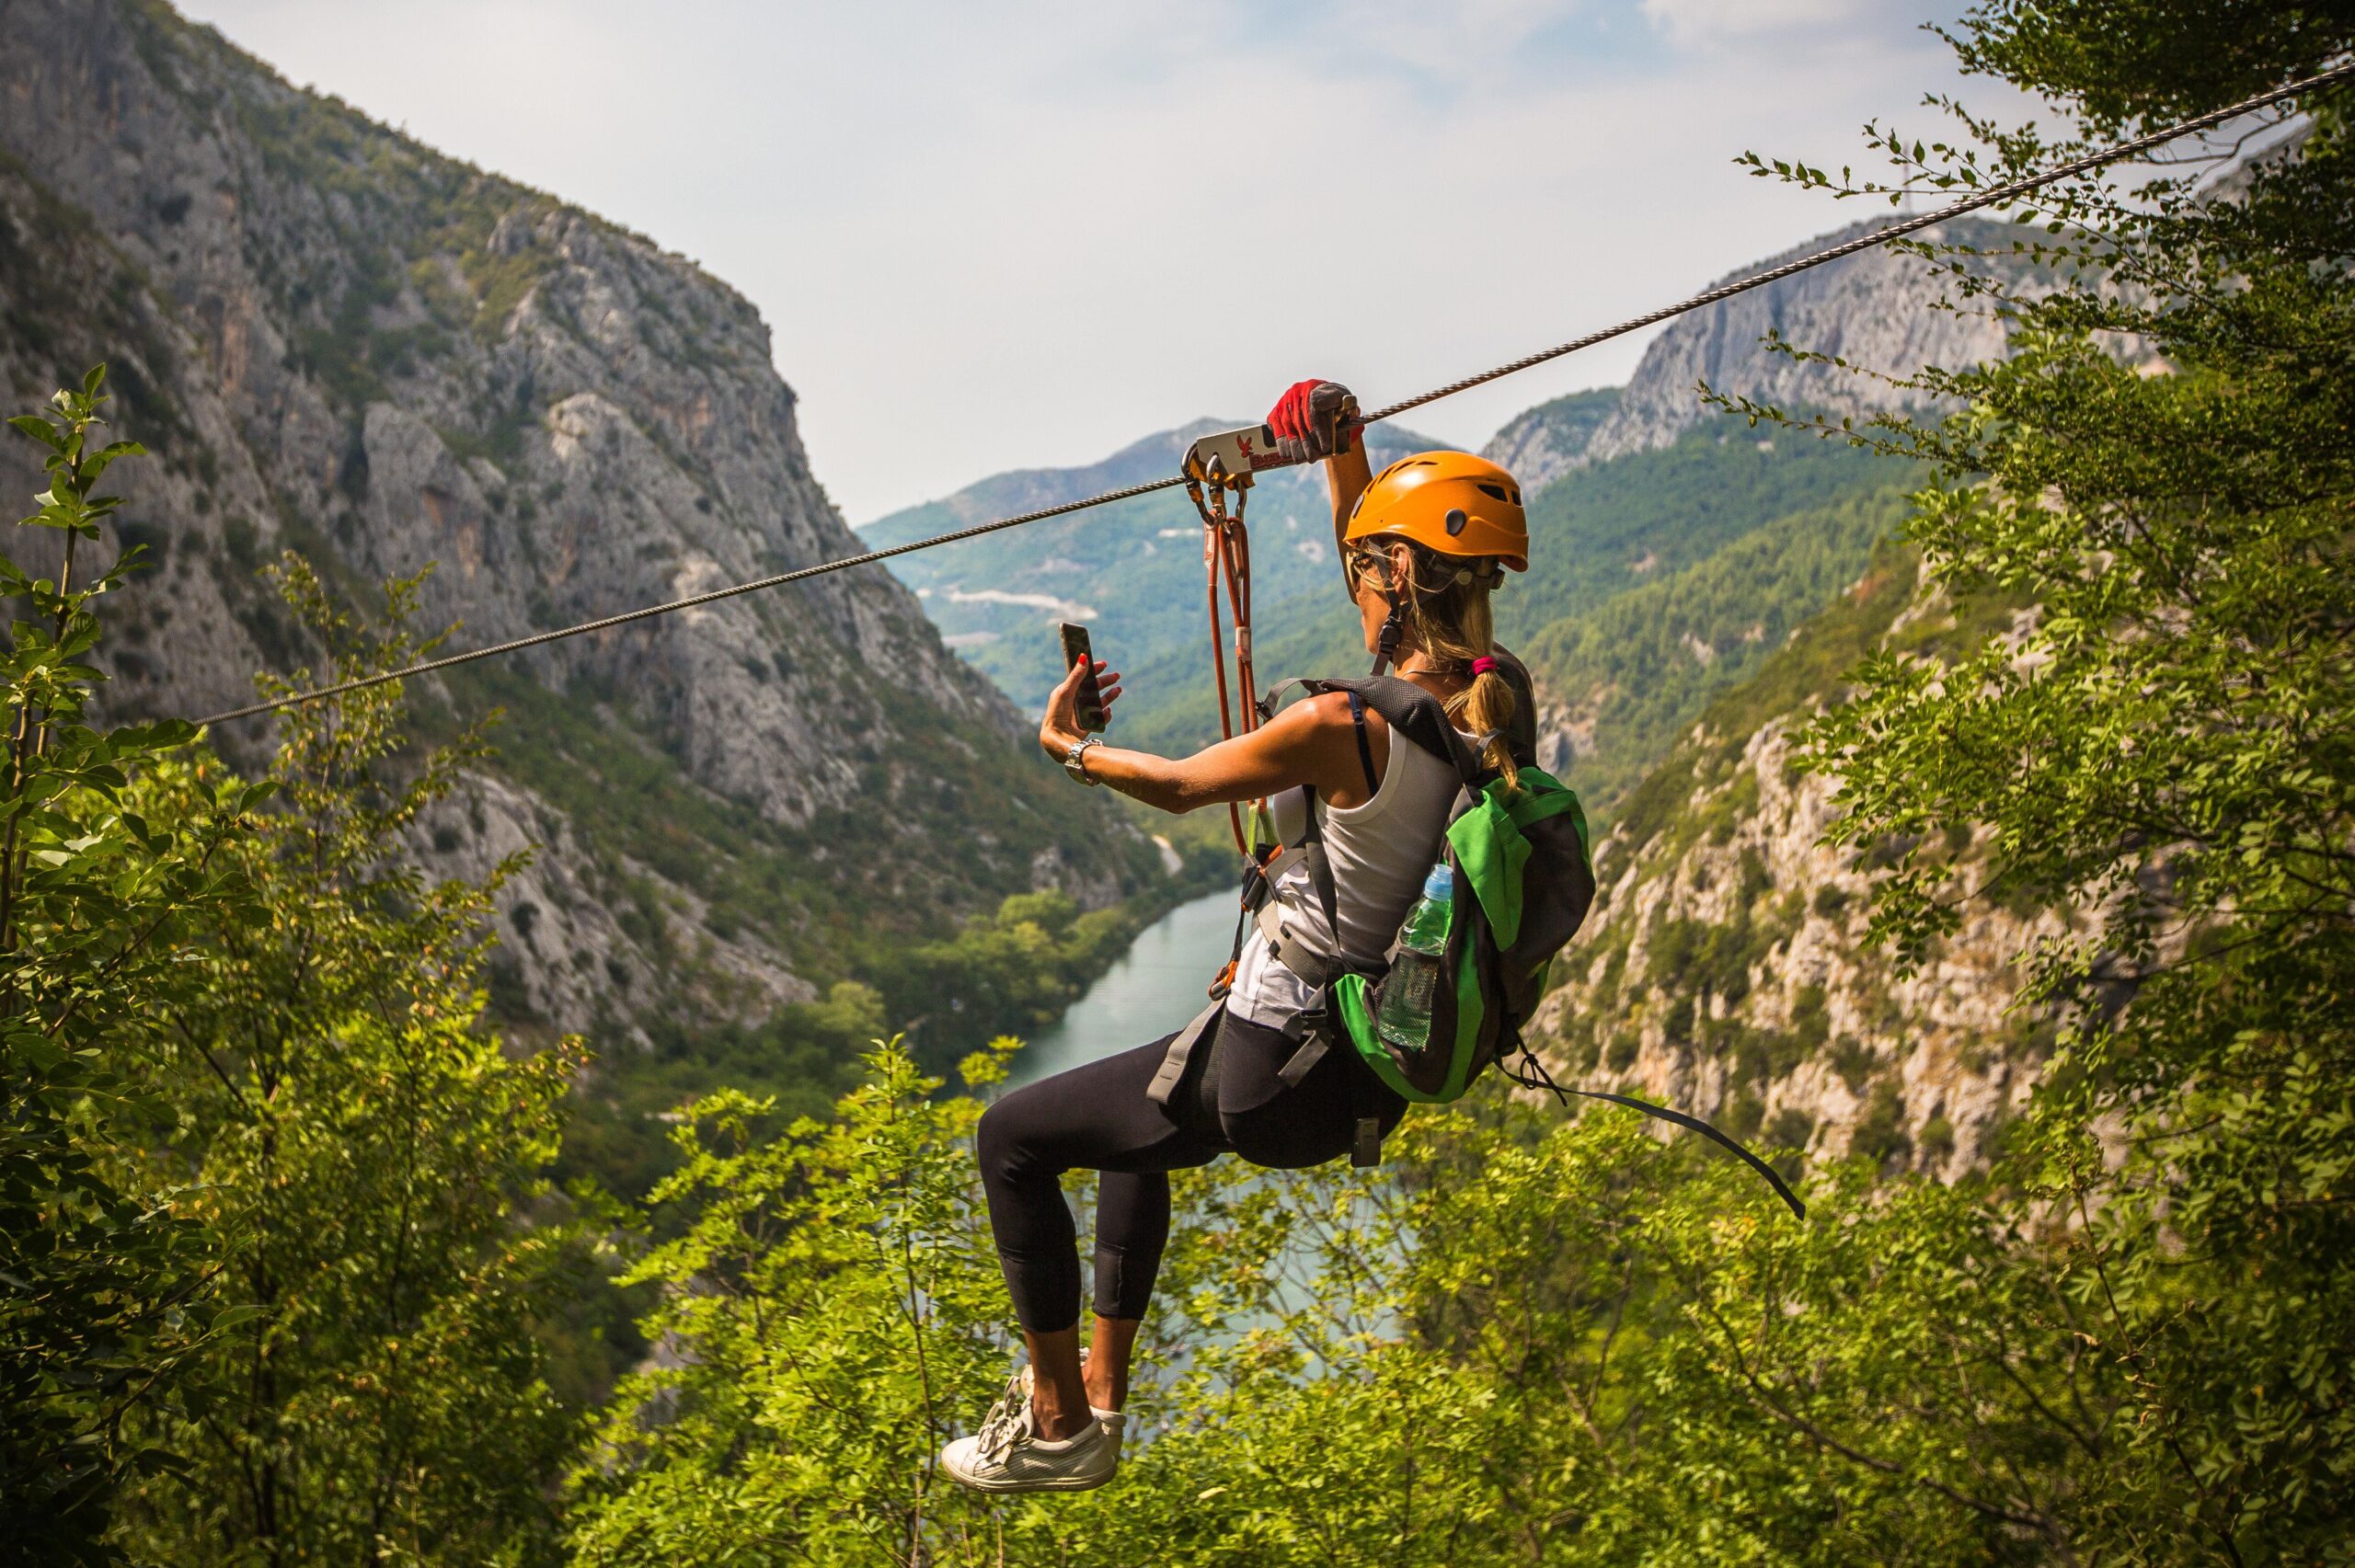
1992 196
537 638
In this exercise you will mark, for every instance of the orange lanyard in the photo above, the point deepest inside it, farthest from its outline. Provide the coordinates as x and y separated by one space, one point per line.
1226 558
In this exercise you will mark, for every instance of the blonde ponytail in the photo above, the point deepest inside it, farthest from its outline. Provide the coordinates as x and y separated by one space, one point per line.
1487 706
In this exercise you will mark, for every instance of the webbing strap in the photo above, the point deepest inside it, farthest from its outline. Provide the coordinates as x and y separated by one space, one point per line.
1182 1046
1298 1064
1227 557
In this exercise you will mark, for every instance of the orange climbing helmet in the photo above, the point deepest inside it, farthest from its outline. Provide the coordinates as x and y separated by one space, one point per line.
1451 502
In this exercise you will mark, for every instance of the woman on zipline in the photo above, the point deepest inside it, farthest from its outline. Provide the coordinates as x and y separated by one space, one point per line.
1422 546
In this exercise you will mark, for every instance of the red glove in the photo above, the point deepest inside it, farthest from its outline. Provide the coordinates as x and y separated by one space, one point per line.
1313 419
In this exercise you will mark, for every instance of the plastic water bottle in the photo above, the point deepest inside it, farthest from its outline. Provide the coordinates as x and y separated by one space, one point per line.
1405 1020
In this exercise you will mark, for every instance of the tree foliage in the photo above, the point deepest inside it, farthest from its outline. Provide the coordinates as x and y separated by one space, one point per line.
275 1244
106 1279
2164 747
369 1163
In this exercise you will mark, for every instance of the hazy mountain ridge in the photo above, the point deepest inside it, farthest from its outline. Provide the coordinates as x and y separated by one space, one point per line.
1541 445
1621 682
1133 569
1028 490
348 344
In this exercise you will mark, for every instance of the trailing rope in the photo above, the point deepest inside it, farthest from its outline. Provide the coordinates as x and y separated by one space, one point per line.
1992 196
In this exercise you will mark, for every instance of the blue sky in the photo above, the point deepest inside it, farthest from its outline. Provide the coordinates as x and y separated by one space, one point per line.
1027 232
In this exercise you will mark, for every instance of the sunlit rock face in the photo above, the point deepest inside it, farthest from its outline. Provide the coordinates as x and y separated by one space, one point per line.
1726 970
1884 313
341 342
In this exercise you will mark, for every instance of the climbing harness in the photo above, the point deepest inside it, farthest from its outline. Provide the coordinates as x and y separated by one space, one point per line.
1262 459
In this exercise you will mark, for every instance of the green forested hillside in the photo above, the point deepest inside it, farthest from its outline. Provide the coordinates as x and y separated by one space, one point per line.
1617 525
1624 680
829 894
1132 571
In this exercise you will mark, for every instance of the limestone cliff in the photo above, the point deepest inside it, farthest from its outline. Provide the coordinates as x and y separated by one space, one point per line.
343 343
1886 314
1724 968
1541 445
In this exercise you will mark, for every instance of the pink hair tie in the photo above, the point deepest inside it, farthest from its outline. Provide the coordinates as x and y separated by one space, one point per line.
1482 665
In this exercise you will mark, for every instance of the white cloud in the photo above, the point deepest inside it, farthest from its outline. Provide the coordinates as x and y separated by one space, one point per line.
1703 23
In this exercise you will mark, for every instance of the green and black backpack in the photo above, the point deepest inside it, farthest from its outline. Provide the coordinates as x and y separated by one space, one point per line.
1523 882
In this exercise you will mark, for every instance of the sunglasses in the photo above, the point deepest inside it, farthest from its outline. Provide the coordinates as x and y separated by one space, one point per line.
1362 563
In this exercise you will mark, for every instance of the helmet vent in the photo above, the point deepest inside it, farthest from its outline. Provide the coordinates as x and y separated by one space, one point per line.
1456 519
1496 492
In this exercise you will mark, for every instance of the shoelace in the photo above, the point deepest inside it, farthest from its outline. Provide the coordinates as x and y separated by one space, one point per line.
1009 1421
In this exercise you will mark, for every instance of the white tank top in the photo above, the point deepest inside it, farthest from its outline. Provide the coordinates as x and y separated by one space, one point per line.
1380 851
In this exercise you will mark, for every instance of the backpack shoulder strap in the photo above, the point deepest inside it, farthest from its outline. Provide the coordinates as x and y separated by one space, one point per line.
1423 718
1432 732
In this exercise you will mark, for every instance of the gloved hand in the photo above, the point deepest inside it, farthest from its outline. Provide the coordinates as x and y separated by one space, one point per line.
1313 420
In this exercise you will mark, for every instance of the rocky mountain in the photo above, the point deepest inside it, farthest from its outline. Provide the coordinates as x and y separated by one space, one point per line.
1541 445
1884 313
1724 968
341 342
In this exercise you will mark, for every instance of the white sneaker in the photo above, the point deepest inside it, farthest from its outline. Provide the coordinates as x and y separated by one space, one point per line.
1008 1455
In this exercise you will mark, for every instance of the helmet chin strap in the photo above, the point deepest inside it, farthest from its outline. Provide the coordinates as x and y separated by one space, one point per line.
1385 644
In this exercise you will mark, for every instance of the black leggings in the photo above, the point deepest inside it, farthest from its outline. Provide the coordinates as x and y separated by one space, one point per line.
1097 1118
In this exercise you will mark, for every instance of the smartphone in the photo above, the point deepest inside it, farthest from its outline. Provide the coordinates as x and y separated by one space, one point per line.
1091 697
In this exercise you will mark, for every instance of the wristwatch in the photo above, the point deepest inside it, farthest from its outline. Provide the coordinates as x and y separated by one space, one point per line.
1072 759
